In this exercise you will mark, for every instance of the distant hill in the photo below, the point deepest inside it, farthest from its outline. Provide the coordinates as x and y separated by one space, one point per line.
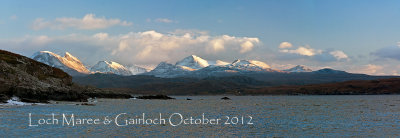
229 84
354 87
299 68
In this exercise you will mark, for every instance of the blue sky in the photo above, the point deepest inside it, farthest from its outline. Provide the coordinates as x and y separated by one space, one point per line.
359 29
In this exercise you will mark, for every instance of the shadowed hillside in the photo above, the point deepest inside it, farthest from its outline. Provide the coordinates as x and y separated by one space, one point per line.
355 87
238 85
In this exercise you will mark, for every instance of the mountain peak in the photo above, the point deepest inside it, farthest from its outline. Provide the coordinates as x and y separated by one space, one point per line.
110 66
250 63
193 62
68 63
113 64
67 53
43 53
299 68
167 70
329 71
71 58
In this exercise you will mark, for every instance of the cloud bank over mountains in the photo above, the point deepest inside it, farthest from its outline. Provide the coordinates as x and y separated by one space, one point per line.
316 54
151 47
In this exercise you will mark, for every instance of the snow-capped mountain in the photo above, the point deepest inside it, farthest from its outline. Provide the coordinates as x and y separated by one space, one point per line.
110 67
249 65
299 68
193 62
136 70
196 66
191 66
167 70
238 66
68 63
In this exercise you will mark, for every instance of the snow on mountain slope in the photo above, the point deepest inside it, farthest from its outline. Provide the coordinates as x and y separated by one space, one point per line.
68 63
110 67
167 70
299 68
196 66
249 65
238 66
193 62
136 69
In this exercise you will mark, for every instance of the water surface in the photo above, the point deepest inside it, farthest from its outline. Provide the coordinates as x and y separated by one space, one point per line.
272 116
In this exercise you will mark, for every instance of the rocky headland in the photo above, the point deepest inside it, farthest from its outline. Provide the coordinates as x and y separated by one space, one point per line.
33 81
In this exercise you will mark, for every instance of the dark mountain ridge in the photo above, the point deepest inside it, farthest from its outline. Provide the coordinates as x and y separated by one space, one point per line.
353 87
226 83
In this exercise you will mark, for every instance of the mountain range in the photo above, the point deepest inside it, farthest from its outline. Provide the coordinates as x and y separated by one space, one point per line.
73 66
196 76
194 66
191 66
33 81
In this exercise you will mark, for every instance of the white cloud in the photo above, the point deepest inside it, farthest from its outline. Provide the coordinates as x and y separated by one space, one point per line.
339 54
315 54
218 44
305 51
246 46
152 46
285 45
145 48
88 22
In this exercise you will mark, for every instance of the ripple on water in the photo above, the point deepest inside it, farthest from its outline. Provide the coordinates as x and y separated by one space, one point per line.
273 116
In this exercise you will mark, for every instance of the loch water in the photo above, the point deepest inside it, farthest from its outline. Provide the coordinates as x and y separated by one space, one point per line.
249 116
